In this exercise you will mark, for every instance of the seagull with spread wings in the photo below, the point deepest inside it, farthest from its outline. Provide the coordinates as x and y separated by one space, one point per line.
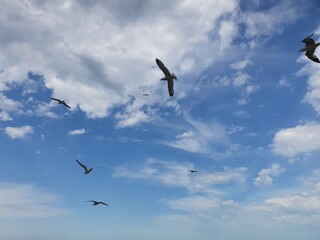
95 203
169 77
86 170
192 171
310 48
61 102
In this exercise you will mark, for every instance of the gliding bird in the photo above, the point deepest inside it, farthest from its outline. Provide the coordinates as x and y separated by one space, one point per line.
94 203
310 48
86 170
169 77
61 102
192 171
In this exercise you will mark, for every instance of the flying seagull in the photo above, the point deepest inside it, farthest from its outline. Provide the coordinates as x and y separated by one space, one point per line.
95 203
61 102
146 94
310 48
192 171
169 77
86 170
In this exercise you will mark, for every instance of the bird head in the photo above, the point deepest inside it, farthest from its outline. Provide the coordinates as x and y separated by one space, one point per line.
174 76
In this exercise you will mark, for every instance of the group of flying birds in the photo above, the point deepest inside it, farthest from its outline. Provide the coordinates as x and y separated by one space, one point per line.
88 170
170 77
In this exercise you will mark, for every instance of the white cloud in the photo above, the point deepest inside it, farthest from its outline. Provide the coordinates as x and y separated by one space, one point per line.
108 58
4 116
227 32
267 175
312 71
240 79
201 137
27 200
188 142
296 203
261 25
132 118
283 82
300 139
8 104
240 65
18 132
77 132
177 175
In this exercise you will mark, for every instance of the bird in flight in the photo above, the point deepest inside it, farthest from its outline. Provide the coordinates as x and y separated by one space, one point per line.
95 203
169 77
86 170
192 171
146 94
61 102
310 48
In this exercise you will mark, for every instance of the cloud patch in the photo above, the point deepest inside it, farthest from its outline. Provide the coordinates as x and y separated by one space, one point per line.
27 200
18 132
290 142
266 176
77 132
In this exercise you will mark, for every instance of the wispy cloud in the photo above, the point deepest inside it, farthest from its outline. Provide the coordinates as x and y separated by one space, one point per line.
177 175
18 132
4 116
240 65
27 200
266 176
195 204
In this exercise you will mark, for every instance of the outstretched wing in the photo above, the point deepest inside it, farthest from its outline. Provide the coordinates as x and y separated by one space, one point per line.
56 99
163 67
66 105
312 57
170 87
104 203
308 40
83 166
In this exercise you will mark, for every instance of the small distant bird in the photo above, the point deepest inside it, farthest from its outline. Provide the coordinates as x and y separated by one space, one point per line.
169 77
61 102
95 203
87 170
146 94
310 48
192 171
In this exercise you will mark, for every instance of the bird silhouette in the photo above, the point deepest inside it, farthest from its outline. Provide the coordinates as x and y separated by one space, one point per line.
310 48
95 203
61 102
169 77
146 94
192 171
86 170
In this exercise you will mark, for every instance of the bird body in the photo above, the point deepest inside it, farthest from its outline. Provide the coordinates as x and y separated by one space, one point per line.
61 102
95 203
310 48
169 77
192 171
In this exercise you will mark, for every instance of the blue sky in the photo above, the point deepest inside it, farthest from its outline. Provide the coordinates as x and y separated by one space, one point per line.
245 114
